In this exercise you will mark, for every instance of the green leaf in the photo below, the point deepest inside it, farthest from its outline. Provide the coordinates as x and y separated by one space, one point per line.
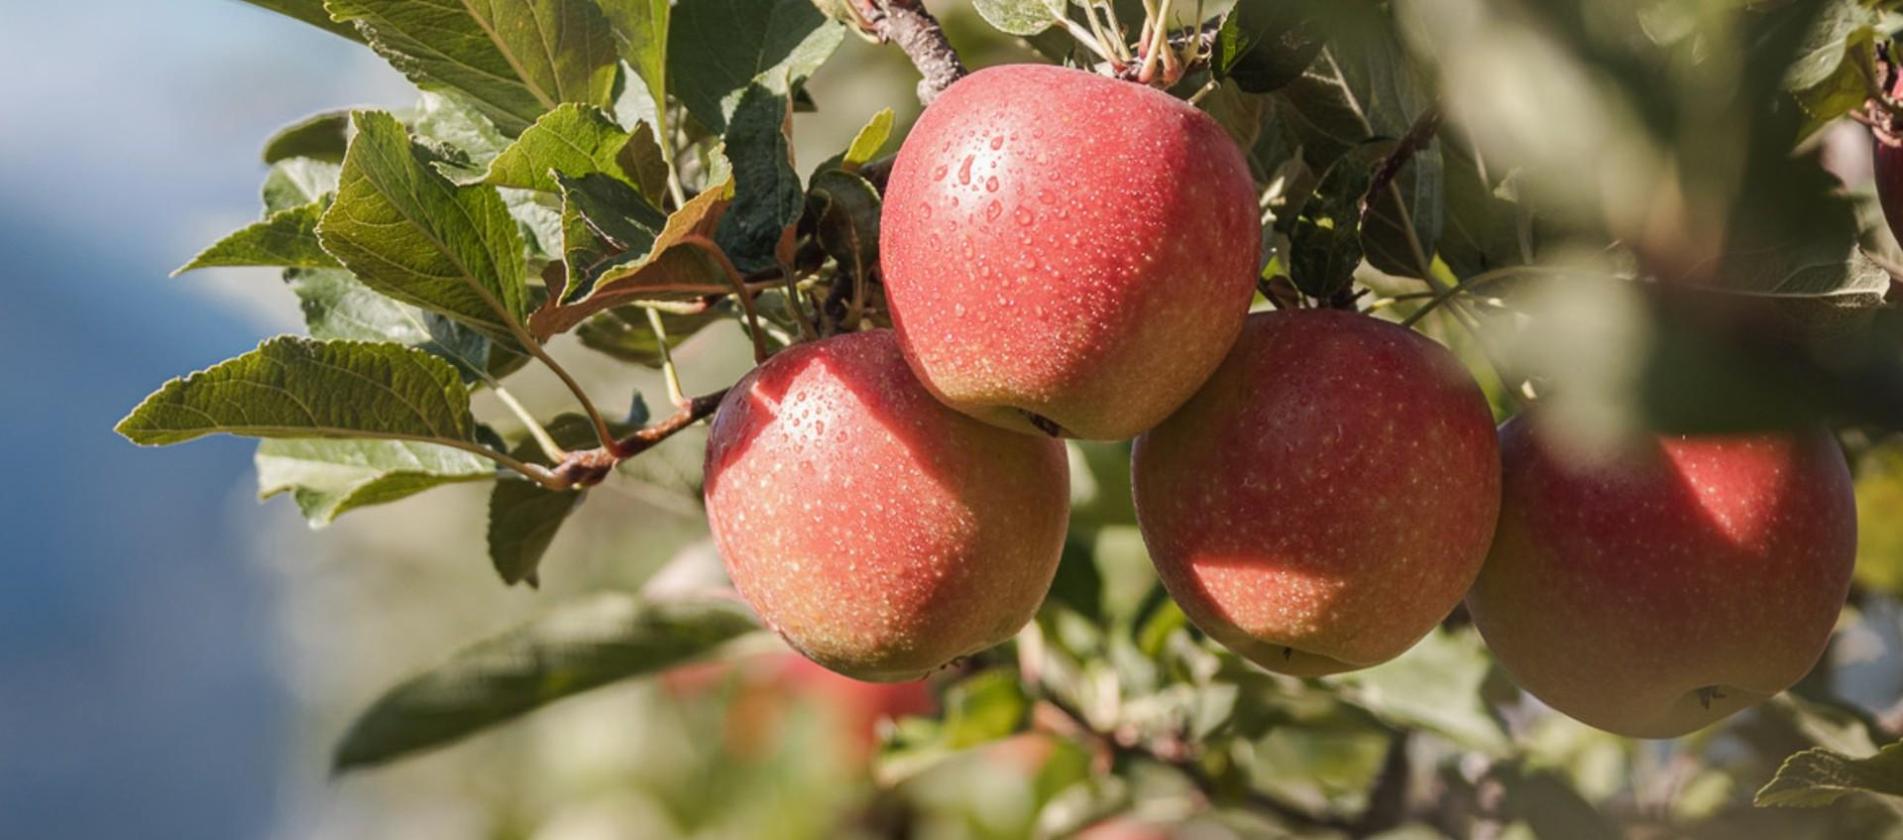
1835 67
292 387
523 519
1325 243
524 516
845 212
718 48
579 646
641 27
296 182
286 238
328 478
644 161
513 60
624 332
1265 44
1482 231
1817 777
311 12
1434 686
1021 17
337 306
767 194
572 140
870 139
674 265
445 121
602 218
318 137
407 232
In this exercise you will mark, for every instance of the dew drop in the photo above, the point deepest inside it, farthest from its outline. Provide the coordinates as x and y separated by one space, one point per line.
997 142
958 310
991 184
939 173
1024 216
964 171
994 210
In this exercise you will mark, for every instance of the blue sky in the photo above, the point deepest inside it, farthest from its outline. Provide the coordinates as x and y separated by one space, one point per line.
137 693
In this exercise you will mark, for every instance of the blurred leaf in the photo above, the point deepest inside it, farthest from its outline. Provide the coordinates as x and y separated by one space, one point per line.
1021 17
578 646
296 182
1265 44
311 12
674 265
572 140
1879 534
1817 777
1835 66
285 238
624 333
845 212
716 49
641 27
328 478
293 387
320 136
1434 686
984 708
1552 808
767 197
513 61
409 233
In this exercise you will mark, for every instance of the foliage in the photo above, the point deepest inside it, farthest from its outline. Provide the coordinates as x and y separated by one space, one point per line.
1617 206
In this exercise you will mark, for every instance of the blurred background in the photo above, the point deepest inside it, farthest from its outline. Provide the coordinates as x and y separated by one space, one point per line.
176 661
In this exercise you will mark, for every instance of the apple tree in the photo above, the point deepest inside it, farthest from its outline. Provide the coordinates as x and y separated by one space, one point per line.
1469 418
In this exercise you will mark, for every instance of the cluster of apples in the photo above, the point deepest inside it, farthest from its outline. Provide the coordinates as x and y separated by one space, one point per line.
1071 255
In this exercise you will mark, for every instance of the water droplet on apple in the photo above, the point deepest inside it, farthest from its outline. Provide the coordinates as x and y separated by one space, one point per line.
938 174
997 142
964 171
1024 216
994 210
991 184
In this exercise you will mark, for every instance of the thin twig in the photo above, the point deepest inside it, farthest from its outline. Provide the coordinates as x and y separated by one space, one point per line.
741 289
668 371
537 431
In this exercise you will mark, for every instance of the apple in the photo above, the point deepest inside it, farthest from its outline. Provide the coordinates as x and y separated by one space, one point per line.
1327 497
1065 252
1887 166
1652 591
879 532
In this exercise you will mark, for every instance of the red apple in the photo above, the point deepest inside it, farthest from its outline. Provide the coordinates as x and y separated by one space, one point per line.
1888 168
1654 591
879 532
1067 252
1327 497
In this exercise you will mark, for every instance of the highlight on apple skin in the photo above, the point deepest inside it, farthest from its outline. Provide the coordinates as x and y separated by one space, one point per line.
1067 253
879 532
1654 591
1327 497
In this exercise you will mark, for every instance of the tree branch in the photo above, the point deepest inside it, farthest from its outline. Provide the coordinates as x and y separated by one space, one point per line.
589 467
1416 139
907 24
